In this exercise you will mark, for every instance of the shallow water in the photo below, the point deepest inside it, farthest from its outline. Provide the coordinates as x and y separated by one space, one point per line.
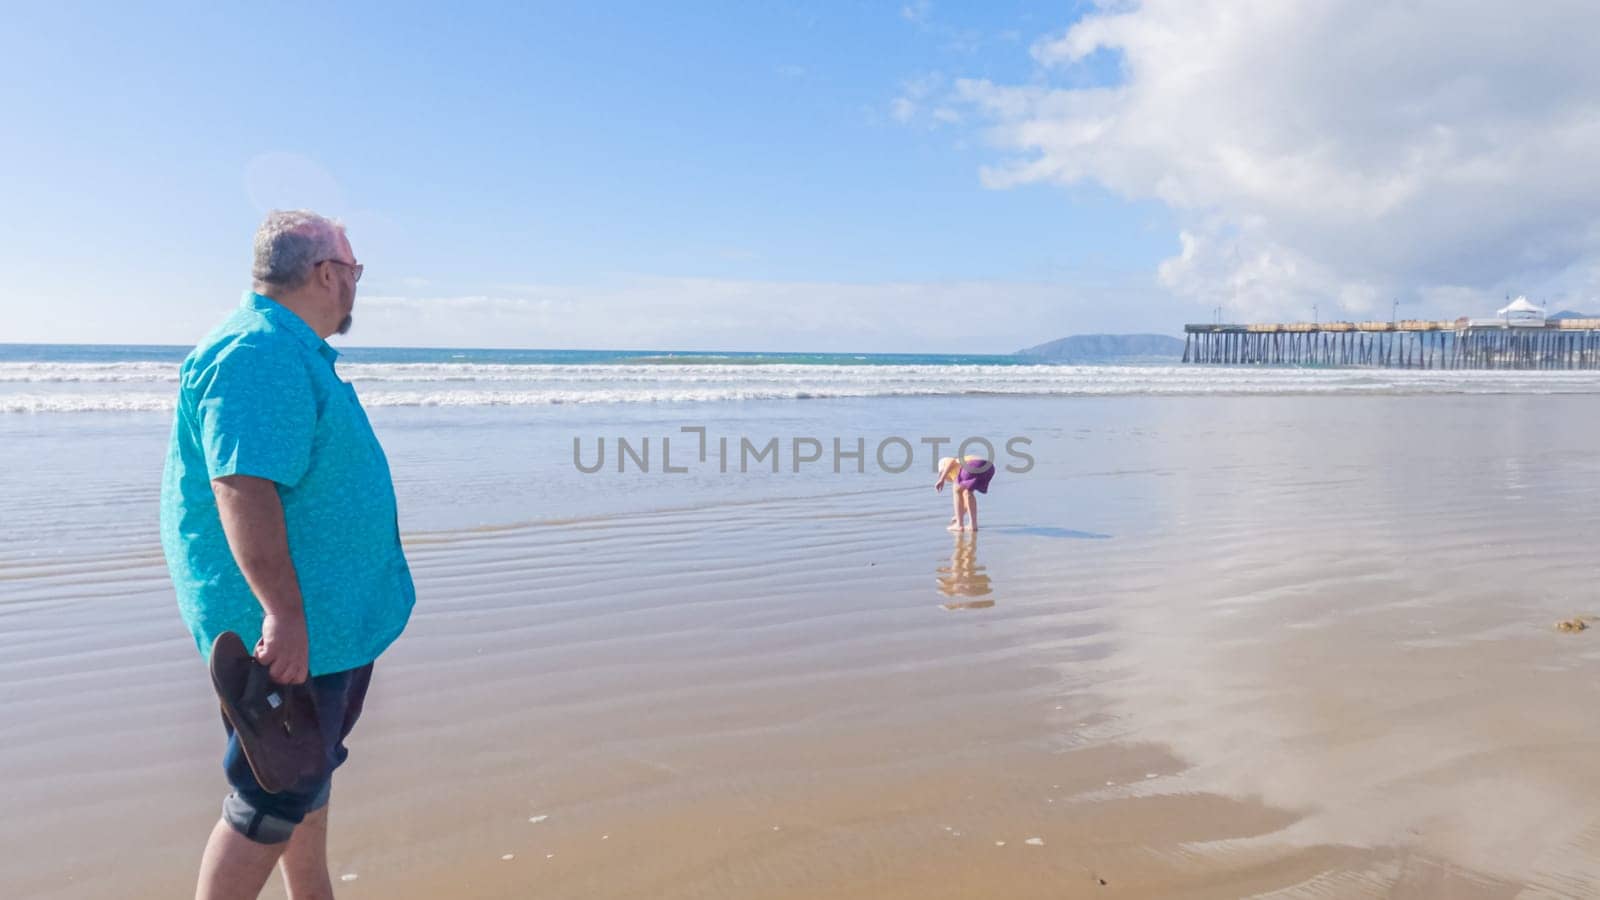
1236 645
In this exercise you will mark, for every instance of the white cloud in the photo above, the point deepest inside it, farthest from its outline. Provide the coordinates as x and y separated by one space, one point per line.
951 38
706 313
1331 150
655 313
914 93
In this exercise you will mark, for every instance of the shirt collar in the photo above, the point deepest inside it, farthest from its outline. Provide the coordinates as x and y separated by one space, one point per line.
290 321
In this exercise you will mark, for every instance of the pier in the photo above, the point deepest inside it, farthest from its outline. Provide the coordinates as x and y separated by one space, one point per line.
1406 344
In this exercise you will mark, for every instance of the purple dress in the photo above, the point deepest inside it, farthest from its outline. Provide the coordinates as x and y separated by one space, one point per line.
975 475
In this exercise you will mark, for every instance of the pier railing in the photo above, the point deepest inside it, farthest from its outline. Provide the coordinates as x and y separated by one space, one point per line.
1406 344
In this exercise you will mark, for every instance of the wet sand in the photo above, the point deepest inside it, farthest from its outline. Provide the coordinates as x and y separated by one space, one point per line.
1202 655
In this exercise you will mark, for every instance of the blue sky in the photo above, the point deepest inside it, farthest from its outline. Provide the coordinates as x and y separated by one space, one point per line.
482 148
715 176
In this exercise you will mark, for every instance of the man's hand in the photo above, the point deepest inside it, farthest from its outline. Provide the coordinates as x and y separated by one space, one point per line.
284 649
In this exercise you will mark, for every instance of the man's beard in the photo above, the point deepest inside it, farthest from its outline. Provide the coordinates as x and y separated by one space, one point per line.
349 298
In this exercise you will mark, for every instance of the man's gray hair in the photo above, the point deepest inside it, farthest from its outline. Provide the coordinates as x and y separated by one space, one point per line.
290 242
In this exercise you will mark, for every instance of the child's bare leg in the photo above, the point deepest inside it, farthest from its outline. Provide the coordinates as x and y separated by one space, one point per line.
955 498
972 508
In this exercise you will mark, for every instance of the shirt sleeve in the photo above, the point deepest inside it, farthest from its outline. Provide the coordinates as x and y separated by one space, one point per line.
257 413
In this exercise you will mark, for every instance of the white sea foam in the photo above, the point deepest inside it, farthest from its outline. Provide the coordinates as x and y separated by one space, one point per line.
87 373
67 403
152 387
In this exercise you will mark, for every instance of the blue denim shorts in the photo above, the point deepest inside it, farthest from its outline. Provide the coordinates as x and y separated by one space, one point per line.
270 818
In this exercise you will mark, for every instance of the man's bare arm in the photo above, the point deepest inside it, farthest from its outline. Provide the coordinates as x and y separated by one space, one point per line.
252 518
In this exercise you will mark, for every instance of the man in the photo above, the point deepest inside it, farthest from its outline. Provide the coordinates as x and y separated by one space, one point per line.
278 521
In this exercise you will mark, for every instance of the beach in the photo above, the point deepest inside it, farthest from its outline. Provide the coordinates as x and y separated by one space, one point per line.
1279 640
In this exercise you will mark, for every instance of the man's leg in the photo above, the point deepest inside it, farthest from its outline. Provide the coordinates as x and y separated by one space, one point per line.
305 859
237 866
234 867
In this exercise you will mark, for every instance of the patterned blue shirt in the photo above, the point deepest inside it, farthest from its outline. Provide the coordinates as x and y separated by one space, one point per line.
259 396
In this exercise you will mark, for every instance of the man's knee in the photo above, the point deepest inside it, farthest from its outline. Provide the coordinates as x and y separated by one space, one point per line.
256 824
270 826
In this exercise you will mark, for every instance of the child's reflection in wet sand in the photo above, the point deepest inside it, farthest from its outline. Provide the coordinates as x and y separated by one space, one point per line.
963 580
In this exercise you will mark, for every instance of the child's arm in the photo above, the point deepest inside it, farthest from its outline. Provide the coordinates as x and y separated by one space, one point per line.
944 475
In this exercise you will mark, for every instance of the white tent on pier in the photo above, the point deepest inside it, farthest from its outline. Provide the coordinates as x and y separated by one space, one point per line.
1520 310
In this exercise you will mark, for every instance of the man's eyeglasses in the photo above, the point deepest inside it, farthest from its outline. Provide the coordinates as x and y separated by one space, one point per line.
355 268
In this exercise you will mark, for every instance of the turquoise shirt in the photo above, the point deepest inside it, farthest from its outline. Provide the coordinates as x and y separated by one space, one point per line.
259 396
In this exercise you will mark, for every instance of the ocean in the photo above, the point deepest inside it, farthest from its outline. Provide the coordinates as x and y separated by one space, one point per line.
95 378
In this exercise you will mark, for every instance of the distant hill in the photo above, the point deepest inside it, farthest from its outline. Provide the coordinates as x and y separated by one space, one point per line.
1083 348
1569 314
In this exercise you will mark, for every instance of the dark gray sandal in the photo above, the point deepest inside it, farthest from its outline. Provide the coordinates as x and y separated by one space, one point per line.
276 724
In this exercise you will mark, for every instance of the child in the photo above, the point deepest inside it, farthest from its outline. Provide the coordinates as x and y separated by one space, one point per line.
972 473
